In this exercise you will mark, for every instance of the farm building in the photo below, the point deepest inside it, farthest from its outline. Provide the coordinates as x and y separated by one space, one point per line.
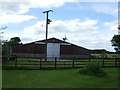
55 48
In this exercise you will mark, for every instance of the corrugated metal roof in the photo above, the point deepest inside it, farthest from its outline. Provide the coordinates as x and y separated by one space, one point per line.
54 40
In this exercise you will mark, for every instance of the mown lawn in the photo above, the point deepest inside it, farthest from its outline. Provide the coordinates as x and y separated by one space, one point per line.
61 78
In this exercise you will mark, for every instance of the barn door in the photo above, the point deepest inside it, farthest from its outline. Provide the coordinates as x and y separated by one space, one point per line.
53 50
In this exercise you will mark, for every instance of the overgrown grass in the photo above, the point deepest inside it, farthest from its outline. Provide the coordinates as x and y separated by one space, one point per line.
93 68
65 78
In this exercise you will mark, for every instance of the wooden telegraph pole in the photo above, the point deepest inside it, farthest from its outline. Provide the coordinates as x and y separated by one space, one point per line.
47 22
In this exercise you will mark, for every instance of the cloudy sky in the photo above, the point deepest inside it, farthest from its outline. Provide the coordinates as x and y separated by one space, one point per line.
89 24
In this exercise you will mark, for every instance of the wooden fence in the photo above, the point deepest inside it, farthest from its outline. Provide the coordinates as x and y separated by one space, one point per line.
29 63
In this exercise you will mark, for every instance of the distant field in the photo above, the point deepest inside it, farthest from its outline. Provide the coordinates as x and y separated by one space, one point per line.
64 78
106 54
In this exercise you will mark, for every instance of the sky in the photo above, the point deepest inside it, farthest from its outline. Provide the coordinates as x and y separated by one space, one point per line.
87 23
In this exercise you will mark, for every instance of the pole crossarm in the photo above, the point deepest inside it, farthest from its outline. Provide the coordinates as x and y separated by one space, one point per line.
48 11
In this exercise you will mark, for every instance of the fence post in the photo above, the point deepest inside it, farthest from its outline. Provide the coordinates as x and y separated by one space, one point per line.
116 62
15 62
89 59
103 62
40 63
55 62
73 63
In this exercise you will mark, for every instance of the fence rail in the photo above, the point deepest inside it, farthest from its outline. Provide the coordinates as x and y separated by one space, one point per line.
59 63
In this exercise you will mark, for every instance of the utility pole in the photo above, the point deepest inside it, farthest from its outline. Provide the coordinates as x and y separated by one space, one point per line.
47 22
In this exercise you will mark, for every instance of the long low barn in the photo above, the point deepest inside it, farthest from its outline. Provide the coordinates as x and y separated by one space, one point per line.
55 48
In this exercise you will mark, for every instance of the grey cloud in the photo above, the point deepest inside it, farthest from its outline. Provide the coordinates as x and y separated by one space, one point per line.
14 7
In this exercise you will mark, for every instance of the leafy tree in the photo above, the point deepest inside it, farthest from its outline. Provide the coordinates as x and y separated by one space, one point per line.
15 41
7 45
5 48
116 43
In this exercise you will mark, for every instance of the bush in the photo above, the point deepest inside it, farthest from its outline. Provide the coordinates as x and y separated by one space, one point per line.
93 68
4 59
12 58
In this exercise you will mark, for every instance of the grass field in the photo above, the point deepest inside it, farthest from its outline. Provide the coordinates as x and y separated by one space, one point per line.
108 55
63 78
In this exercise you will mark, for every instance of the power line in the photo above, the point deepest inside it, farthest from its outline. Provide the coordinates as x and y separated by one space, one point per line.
1 32
3 28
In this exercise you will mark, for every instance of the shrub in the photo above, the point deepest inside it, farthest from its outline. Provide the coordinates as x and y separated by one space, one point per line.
12 58
4 59
93 68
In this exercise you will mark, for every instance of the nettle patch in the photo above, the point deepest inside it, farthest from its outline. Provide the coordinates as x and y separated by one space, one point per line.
93 68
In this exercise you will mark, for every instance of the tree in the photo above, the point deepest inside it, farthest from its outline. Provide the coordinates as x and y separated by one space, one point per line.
5 48
116 43
15 41
7 45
